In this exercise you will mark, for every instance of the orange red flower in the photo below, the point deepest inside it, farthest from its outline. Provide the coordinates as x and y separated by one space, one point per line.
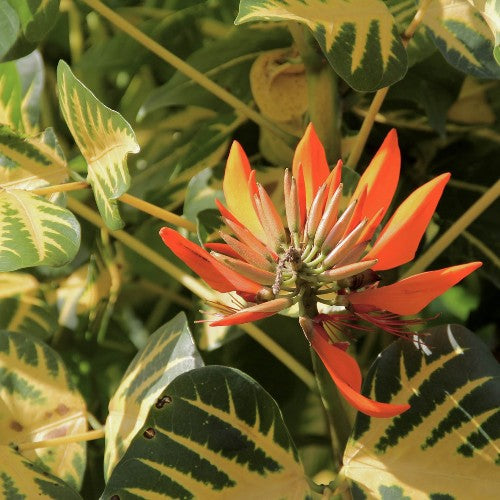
323 260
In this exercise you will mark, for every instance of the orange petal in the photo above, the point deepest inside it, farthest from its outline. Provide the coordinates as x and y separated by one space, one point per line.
411 295
333 180
380 177
254 313
346 374
400 237
218 276
238 192
311 155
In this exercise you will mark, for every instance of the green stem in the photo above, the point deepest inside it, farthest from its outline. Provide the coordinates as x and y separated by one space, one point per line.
185 68
455 230
59 188
72 438
274 348
322 91
377 101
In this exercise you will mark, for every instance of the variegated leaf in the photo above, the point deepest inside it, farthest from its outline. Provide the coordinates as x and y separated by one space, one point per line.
30 162
21 84
23 308
490 9
463 36
359 37
38 401
447 444
212 433
169 352
104 139
30 21
34 231
420 46
22 479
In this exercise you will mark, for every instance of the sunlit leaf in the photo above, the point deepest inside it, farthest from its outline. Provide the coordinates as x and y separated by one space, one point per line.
20 478
38 401
104 139
359 38
23 307
169 352
446 445
34 231
213 433
30 162
462 35
26 23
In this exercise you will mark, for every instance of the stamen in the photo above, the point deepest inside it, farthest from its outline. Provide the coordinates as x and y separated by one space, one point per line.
342 249
354 254
329 218
346 271
338 229
315 212
251 272
246 253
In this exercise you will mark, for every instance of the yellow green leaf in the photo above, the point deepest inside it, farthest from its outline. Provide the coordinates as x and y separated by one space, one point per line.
104 138
23 308
359 37
34 231
169 352
22 479
447 444
38 401
21 84
212 433
463 36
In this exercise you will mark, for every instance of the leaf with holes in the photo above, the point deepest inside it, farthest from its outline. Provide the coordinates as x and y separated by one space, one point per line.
463 36
213 433
446 445
23 308
359 37
27 22
104 139
20 478
34 231
38 401
169 352
30 162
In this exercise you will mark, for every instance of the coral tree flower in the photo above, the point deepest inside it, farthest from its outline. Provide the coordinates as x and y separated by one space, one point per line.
323 259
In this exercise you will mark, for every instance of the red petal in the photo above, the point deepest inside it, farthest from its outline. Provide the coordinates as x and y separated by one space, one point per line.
346 374
411 295
400 237
311 155
218 276
254 313
238 192
223 248
380 177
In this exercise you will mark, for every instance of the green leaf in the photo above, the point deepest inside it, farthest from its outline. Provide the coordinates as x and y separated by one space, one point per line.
226 61
200 195
169 352
30 162
38 401
446 445
9 27
359 38
23 308
35 231
26 23
213 433
20 478
104 138
463 36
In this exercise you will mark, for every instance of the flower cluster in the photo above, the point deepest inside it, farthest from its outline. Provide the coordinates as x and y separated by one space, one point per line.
323 260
